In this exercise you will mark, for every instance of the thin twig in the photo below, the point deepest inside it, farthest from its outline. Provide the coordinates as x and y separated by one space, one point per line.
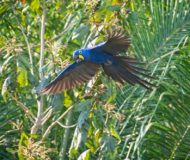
27 43
47 110
65 126
29 50
55 122
47 116
25 109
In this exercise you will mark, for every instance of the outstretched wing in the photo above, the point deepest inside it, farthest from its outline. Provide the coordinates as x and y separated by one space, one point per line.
117 42
74 74
125 70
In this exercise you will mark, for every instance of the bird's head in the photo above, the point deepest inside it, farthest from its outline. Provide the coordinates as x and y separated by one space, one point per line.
78 55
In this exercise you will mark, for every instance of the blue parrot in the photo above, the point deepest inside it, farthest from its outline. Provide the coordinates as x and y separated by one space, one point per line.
106 55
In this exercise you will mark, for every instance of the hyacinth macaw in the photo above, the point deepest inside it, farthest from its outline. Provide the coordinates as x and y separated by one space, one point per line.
106 55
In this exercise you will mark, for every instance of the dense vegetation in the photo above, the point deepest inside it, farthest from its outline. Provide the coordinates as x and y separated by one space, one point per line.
99 120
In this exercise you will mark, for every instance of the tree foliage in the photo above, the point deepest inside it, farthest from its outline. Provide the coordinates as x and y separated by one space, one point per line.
98 120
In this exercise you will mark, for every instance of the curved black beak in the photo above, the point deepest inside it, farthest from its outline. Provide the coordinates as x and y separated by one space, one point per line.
78 58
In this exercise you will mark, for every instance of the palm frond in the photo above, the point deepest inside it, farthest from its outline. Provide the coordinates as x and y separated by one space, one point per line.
157 122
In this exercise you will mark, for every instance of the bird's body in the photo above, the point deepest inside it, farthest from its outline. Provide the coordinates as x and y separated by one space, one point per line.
95 55
89 60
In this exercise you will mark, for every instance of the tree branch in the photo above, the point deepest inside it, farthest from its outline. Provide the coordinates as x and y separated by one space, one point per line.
65 140
38 122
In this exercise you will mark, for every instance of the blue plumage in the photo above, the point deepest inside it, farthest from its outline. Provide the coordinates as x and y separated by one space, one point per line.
106 55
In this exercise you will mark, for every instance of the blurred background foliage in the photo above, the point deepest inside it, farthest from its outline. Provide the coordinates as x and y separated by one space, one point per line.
99 120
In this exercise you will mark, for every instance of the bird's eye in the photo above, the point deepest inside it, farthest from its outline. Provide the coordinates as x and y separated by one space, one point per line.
80 52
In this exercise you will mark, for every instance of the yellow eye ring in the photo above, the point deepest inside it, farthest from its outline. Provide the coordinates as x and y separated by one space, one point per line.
80 52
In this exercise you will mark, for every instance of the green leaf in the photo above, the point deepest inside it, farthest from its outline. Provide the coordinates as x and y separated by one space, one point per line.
22 143
115 134
73 152
3 8
83 105
85 155
4 90
67 100
81 32
22 77
97 136
35 5
114 8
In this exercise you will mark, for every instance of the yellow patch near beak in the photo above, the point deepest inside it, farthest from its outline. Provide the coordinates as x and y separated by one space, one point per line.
81 57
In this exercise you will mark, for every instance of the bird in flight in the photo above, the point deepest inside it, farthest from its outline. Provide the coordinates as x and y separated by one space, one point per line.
88 61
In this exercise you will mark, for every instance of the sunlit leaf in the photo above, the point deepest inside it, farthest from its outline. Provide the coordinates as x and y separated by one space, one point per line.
117 2
97 136
35 5
22 77
4 90
67 100
115 134
85 155
3 8
73 152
